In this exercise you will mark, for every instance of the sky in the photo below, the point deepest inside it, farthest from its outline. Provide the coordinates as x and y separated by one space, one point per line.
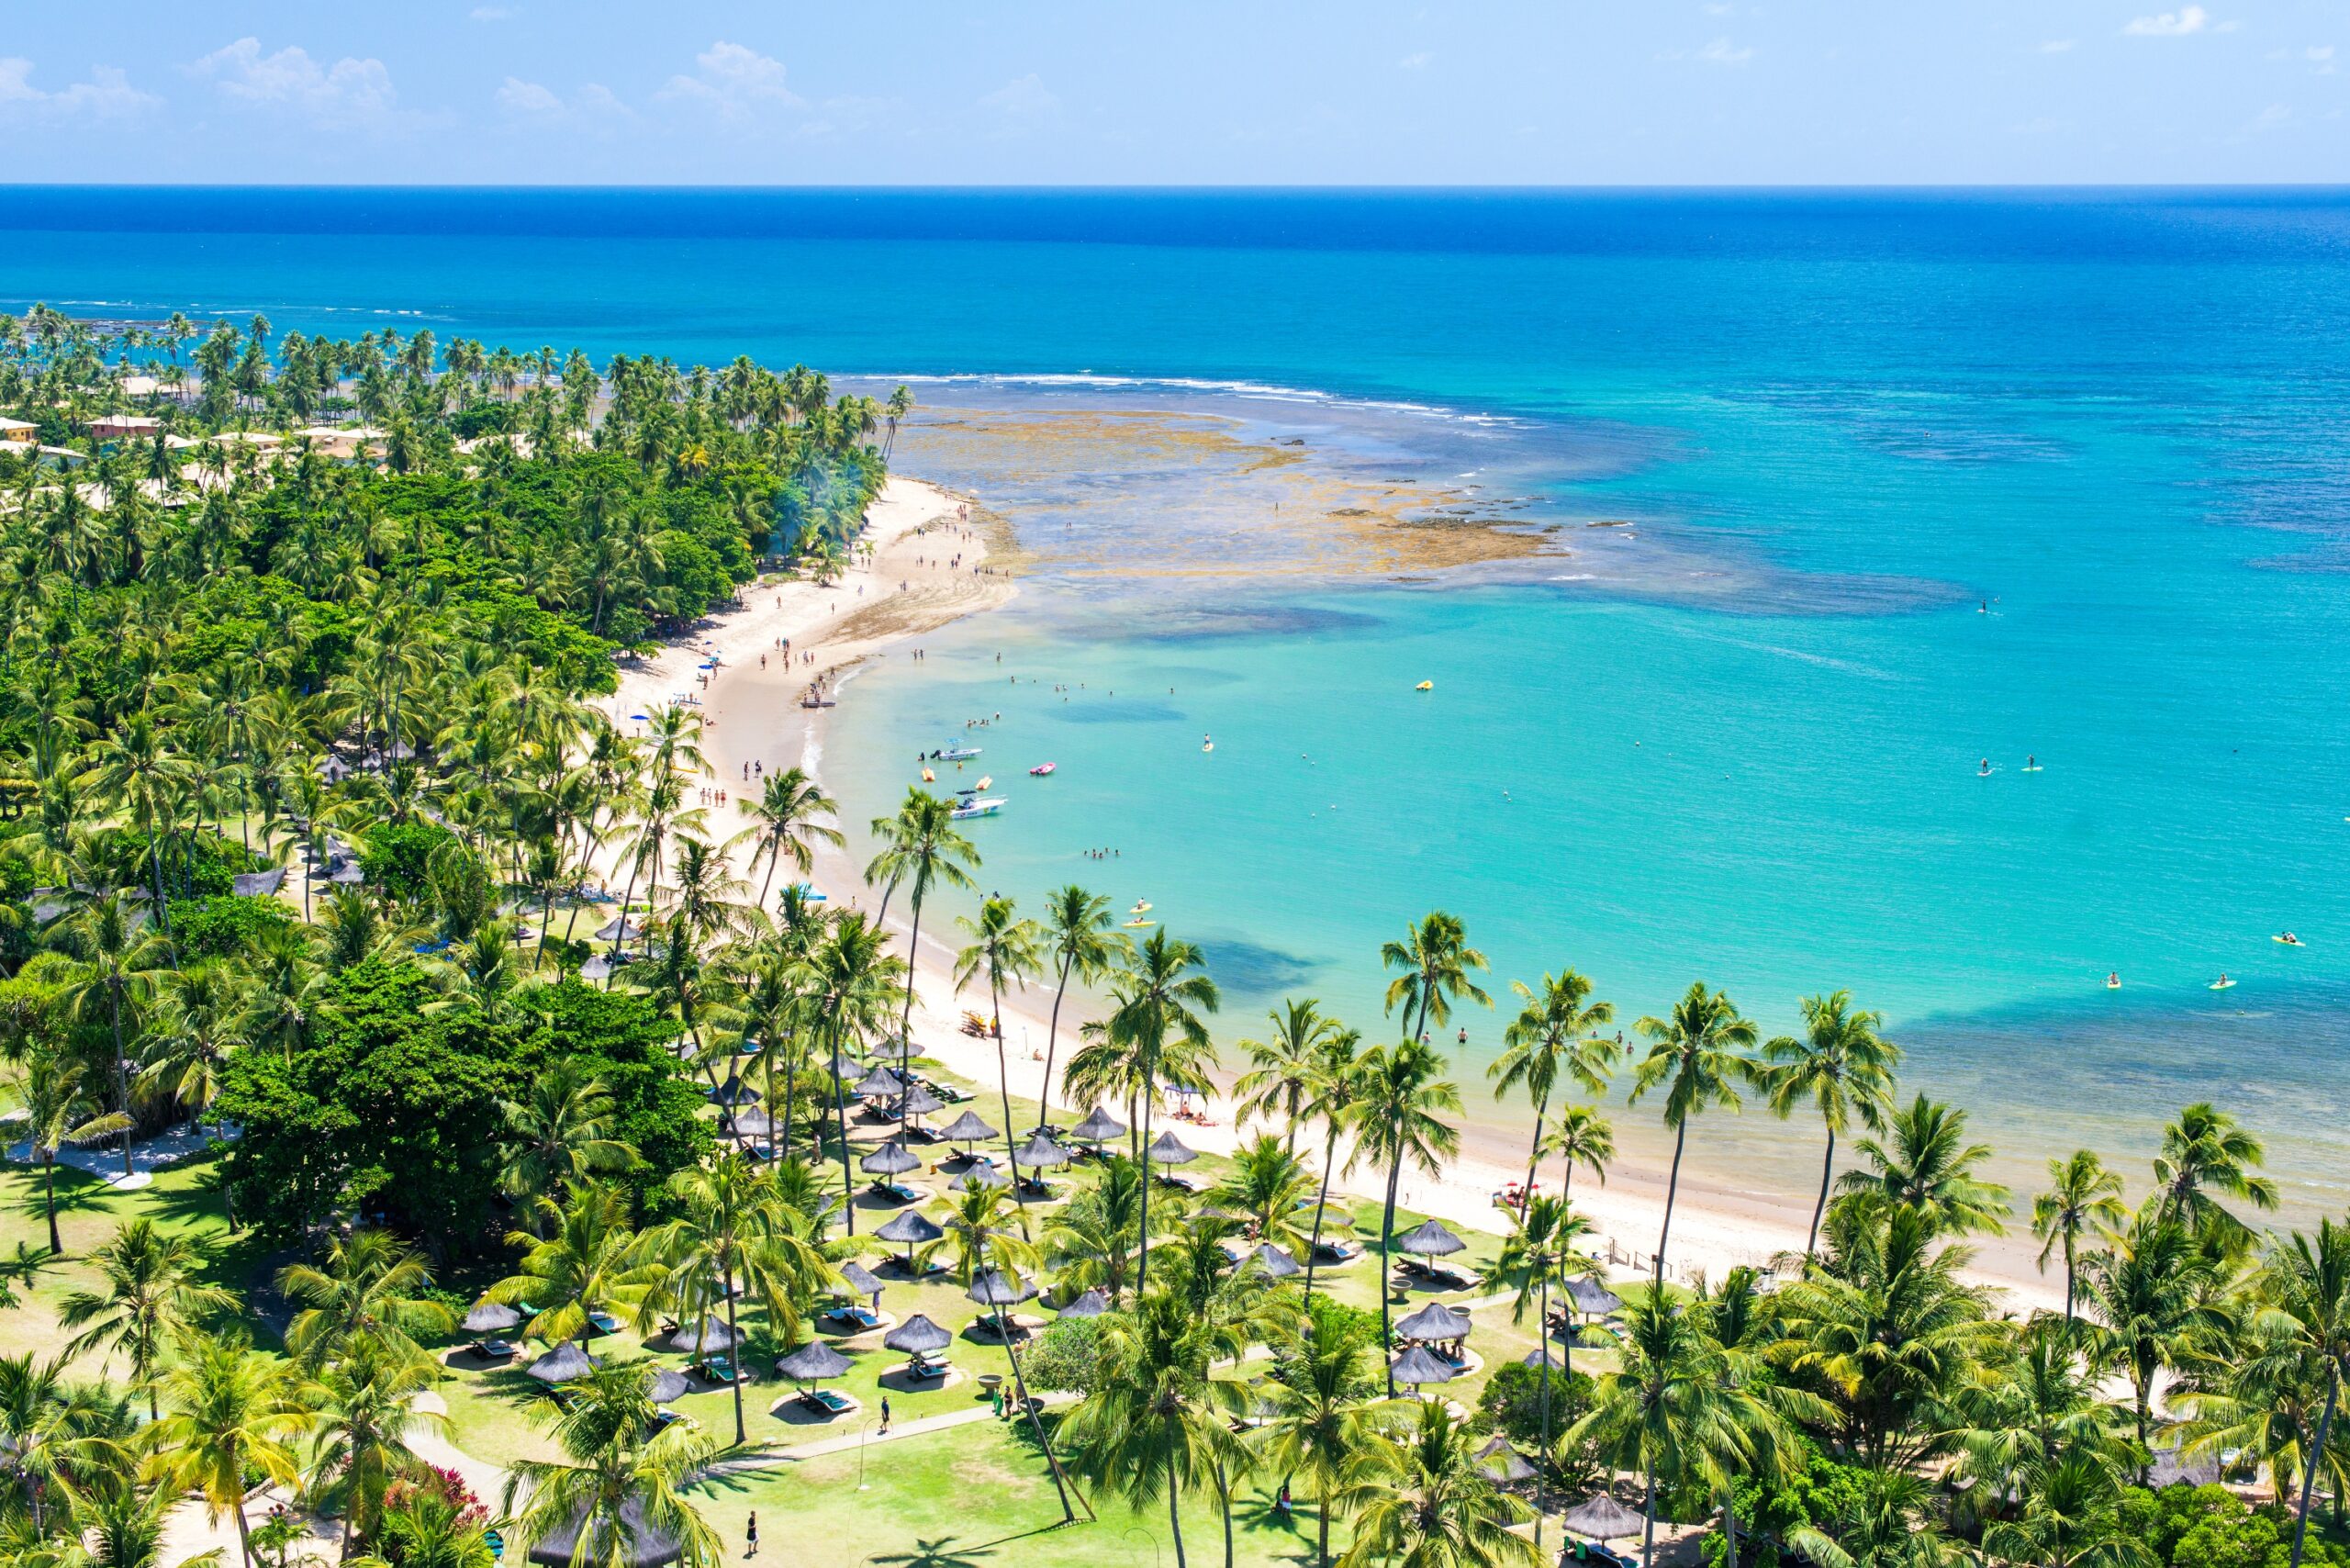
1203 92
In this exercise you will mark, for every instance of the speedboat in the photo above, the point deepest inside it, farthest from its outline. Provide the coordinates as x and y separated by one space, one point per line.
985 806
953 753
1042 770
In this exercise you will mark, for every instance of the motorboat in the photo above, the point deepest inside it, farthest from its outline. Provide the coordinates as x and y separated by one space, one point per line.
1043 770
984 806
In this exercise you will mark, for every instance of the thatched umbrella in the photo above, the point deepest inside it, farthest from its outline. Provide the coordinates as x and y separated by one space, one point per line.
917 1335
1092 1304
1504 1463
489 1318
1167 1149
1434 1321
919 1102
993 1287
668 1386
753 1124
562 1364
1040 1153
813 1363
968 1129
642 1546
620 930
860 1278
703 1340
1602 1518
1421 1365
909 1228
1591 1298
733 1091
1277 1262
1098 1128
1430 1241
879 1084
596 968
892 1158
979 1176
895 1049
1543 1361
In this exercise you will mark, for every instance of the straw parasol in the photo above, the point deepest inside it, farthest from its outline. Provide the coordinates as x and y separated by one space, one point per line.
979 1176
1504 1463
910 1229
1277 1262
1092 1304
644 1546
813 1363
993 1287
668 1386
754 1123
1421 1365
895 1049
892 1158
1167 1149
1041 1153
1435 1321
917 1335
735 1092
967 1128
1430 1241
860 1278
879 1084
1098 1127
1591 1298
1543 1361
596 968
489 1318
1602 1518
620 930
700 1342
562 1363
920 1101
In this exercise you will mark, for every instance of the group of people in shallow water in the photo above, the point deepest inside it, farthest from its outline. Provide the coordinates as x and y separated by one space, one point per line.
1101 855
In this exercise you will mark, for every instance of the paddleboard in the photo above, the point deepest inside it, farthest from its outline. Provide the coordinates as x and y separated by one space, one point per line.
2297 942
2222 984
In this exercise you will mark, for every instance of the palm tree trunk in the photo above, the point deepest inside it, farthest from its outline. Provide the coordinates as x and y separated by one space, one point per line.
1036 1423
1003 1077
726 1280
1224 1499
1730 1529
121 1072
245 1532
2309 1470
1827 1166
1533 1157
1312 1248
1322 1526
774 853
1052 1040
1672 1185
1142 1263
1542 1473
2071 1280
1174 1520
906 1018
1648 1518
840 1104
49 1182
1386 1233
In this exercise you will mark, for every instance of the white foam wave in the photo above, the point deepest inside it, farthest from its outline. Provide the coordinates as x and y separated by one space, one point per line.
1261 391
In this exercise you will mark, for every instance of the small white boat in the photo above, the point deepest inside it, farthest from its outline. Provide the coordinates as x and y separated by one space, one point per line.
951 754
985 806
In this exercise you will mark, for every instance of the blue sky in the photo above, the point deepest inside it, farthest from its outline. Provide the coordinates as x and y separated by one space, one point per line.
921 92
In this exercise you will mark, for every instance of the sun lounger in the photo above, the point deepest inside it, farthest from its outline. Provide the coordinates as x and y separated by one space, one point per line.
493 1349
716 1369
824 1402
856 1318
896 1192
922 1368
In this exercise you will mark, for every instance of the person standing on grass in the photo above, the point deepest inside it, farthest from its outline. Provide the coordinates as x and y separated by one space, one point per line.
751 1537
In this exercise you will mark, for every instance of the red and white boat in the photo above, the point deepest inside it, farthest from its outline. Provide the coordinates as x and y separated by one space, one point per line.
1042 770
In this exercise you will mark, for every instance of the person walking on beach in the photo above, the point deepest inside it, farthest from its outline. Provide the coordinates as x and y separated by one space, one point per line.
885 1413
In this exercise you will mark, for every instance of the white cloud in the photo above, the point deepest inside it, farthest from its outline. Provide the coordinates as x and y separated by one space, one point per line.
1721 51
1416 61
489 14
107 95
349 90
2175 24
734 81
1024 101
2058 46
2320 52
2271 118
518 96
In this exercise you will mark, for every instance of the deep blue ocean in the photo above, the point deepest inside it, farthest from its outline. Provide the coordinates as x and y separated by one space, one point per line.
1916 481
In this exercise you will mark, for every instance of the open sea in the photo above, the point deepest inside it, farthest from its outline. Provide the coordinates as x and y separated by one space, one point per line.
1893 484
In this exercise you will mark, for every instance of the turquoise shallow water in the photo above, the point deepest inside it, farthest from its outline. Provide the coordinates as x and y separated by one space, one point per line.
1841 424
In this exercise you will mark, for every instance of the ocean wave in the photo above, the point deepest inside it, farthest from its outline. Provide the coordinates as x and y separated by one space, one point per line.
1262 391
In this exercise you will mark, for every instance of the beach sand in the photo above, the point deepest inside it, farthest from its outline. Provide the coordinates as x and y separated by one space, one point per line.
752 712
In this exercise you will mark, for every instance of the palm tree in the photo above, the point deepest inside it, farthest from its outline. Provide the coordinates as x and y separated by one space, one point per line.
1156 1026
1079 944
2081 1193
1923 1161
229 1412
372 1284
2071 1518
1156 1421
364 1429
2301 1335
151 1296
1889 1522
1555 1033
592 1262
1401 1100
560 1133
1423 1499
1324 1414
59 1110
1698 1053
1435 958
1268 1187
1663 1412
117 966
1843 1066
1276 1085
2206 1151
1092 1242
1004 950
735 1229
784 825
619 1472
921 849
2152 1291
1582 1136
1336 1069
1541 1253
853 983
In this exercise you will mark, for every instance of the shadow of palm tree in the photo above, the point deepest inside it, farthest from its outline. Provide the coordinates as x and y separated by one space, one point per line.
941 1553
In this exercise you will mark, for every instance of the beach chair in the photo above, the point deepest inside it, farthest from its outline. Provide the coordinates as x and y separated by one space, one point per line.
716 1369
826 1403
493 1349
926 1368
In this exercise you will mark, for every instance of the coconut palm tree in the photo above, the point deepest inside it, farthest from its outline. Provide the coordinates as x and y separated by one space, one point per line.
2071 1518
853 985
1843 1068
204 1020
590 1262
2081 1193
1155 1028
920 850
150 1297
2207 1151
1665 1412
1004 950
562 1131
118 968
372 1284
620 1471
1331 1101
229 1414
1422 1498
785 825
1582 1136
1094 1241
1401 1099
1888 1521
1079 944
365 1424
1436 960
1921 1161
1541 1254
1323 1409
1698 1053
59 1110
1266 1187
1555 1033
1283 1070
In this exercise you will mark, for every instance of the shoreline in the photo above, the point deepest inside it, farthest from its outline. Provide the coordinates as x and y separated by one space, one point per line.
751 712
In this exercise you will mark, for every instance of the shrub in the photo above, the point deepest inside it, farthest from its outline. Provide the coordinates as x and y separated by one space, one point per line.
217 927
397 857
